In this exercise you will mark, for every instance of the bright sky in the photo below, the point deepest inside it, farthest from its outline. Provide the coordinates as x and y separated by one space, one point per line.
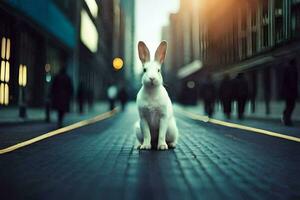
151 16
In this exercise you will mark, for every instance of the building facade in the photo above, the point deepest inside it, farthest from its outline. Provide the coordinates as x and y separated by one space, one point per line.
39 37
254 37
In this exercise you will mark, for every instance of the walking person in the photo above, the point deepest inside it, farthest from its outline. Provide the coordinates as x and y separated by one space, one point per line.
123 97
226 95
289 91
112 93
241 93
61 93
209 96
81 97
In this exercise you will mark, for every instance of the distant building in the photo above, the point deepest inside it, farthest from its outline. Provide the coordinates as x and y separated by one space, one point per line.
255 37
117 40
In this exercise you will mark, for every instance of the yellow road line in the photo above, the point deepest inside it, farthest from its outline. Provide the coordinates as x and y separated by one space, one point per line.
238 126
60 131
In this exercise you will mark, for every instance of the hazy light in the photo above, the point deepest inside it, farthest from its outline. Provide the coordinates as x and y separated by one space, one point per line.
47 67
3 45
88 32
7 72
117 63
48 78
151 16
2 73
190 84
7 49
93 7
22 75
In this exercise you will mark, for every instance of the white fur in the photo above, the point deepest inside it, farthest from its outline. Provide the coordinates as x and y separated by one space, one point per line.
156 125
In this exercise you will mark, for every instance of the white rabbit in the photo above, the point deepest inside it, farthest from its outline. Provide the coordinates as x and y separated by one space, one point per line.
156 125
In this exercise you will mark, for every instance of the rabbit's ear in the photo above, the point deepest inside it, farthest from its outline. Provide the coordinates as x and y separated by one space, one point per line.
144 53
161 51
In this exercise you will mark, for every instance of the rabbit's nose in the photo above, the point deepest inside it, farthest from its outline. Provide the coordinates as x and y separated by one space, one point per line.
151 79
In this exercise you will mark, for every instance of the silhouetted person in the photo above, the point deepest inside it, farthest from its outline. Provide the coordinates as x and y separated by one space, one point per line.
209 96
241 93
61 91
112 93
90 99
123 97
80 97
290 91
226 95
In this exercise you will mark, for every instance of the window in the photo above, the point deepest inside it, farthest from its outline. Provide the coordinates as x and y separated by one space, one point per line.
244 47
5 70
265 36
254 42
253 16
244 21
265 14
278 21
296 20
22 75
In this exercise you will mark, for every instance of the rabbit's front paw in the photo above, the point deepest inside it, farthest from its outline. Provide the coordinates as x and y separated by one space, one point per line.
145 146
162 146
172 145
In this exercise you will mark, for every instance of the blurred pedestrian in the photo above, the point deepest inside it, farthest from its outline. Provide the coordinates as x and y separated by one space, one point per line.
90 99
290 91
123 97
112 93
61 93
209 95
241 93
81 97
226 95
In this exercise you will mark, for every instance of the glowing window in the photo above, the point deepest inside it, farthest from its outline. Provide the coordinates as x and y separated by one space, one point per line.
2 72
3 44
1 93
22 75
7 49
93 7
88 32
6 94
5 71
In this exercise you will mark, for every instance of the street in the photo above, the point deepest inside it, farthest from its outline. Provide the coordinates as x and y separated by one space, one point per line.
99 161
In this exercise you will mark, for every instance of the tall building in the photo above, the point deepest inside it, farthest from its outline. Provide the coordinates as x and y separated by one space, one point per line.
255 37
37 38
117 39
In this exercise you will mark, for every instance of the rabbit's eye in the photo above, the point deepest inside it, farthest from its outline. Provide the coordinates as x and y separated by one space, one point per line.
158 70
145 70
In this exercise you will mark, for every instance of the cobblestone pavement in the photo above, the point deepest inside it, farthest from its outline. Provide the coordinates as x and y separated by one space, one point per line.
13 131
99 162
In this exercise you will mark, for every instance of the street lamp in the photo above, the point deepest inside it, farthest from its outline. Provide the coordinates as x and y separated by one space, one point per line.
22 85
117 63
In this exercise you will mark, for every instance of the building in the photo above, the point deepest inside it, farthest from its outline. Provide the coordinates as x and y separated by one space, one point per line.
254 37
116 41
37 38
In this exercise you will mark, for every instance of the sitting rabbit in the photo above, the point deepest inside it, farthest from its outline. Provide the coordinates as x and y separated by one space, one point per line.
157 125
